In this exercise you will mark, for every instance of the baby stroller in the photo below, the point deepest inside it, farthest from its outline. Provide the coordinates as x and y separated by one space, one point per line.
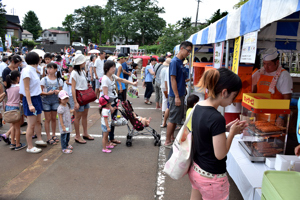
137 126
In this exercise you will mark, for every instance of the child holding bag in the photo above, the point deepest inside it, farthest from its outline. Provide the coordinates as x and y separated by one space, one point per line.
13 103
65 126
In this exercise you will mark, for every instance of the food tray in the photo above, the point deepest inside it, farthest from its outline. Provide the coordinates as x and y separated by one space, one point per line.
255 155
280 185
258 132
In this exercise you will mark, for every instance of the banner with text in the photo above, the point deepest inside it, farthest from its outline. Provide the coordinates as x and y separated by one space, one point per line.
249 48
218 54
236 55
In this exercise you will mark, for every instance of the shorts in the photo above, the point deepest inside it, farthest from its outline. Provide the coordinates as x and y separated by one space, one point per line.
210 188
81 108
50 107
104 129
71 102
176 112
97 83
9 108
36 102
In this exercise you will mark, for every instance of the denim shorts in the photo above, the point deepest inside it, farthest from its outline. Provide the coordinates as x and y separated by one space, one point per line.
103 127
36 102
50 107
9 108
71 102
81 108
97 83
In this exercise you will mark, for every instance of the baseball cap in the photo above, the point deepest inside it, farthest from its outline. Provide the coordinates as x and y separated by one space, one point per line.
121 55
63 94
79 59
270 54
104 99
168 54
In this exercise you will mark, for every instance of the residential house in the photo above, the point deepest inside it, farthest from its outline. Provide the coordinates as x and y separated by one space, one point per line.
26 35
116 40
50 36
13 26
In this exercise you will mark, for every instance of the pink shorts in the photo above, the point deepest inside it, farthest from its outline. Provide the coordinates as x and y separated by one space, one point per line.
210 188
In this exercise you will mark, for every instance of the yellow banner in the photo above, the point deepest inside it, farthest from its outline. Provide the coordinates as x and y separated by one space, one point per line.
236 55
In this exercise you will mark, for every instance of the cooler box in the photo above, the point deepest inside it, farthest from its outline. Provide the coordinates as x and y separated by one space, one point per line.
280 185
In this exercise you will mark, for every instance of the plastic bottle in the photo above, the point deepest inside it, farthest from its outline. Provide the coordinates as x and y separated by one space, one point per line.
292 166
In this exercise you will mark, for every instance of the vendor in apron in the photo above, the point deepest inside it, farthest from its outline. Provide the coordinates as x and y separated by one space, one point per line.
273 79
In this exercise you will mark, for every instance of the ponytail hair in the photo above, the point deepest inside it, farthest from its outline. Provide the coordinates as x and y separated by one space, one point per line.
11 78
215 81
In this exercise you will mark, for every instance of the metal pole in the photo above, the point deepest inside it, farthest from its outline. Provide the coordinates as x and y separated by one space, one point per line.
197 12
227 54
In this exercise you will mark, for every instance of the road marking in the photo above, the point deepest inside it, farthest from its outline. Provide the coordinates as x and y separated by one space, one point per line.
24 179
135 108
119 136
161 177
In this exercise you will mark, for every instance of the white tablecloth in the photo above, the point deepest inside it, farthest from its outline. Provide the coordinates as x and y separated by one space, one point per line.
246 175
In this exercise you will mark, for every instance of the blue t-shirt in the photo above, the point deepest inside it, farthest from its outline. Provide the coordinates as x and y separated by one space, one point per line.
177 69
124 66
121 76
148 76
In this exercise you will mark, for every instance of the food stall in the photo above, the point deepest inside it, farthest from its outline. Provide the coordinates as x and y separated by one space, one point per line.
277 24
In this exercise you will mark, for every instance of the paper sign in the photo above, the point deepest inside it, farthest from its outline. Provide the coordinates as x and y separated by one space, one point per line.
249 48
236 55
218 54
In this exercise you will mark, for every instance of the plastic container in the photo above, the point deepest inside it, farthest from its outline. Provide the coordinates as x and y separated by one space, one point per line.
280 185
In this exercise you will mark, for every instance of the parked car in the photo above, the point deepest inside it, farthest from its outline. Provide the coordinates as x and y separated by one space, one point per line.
78 44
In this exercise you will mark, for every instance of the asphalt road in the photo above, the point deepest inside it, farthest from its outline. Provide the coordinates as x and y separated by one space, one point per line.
128 173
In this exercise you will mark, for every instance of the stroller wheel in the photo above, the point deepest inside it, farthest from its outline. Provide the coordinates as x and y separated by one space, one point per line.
128 143
157 142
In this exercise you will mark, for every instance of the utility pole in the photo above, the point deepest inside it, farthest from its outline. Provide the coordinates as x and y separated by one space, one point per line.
197 12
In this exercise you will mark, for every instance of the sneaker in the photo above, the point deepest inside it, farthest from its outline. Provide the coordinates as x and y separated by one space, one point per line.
20 147
24 124
41 143
96 101
33 150
5 139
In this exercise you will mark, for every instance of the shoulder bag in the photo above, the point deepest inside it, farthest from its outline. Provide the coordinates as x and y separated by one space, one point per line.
179 163
85 96
12 116
153 82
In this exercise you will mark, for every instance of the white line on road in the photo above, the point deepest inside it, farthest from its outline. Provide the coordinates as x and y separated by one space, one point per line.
136 108
160 183
117 136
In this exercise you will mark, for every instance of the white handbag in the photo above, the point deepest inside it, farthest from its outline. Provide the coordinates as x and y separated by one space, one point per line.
179 163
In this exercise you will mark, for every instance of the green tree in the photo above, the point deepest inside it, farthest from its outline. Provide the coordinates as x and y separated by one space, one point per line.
32 24
3 22
147 20
89 22
240 3
110 13
171 36
216 16
69 25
